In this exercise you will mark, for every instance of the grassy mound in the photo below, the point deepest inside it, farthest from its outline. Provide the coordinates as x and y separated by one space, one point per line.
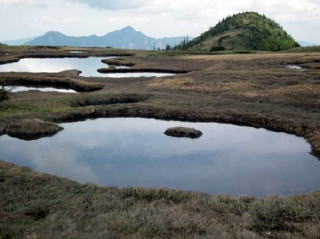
31 129
244 31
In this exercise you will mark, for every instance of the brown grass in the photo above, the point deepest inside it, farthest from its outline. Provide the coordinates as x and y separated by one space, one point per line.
31 129
42 206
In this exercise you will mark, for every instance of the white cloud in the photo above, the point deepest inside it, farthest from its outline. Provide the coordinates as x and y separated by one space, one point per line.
24 18
27 3
111 4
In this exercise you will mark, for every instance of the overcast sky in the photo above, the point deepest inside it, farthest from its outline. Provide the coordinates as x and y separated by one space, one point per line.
156 18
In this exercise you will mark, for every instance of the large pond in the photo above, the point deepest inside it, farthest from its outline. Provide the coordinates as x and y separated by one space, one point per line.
87 66
122 152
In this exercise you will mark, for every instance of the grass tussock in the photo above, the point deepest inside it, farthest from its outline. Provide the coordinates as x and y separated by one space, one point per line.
106 99
282 214
118 62
59 82
31 129
42 206
173 83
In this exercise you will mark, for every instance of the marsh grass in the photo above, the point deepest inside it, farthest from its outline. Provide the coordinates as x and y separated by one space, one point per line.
106 99
253 89
42 206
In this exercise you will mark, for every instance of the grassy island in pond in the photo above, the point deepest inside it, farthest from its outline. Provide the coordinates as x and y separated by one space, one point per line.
183 132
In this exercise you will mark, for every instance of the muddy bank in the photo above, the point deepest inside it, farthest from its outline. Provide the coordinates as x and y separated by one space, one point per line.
94 100
118 62
42 80
140 70
312 135
134 106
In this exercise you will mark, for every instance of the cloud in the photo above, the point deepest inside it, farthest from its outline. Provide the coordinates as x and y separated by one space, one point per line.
156 18
25 3
111 4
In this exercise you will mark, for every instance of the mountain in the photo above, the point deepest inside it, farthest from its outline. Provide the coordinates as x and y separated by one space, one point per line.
19 41
243 31
306 43
127 38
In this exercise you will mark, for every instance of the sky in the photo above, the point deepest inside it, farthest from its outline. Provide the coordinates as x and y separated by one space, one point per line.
156 18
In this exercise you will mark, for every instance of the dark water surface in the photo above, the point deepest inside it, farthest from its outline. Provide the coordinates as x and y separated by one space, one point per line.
122 152
87 66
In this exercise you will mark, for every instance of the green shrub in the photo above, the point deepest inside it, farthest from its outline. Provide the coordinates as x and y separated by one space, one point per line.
3 92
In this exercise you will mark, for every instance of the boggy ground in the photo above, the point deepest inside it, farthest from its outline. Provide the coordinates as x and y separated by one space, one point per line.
41 206
246 89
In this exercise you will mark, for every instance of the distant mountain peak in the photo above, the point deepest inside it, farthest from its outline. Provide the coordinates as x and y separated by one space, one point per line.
54 33
126 37
128 28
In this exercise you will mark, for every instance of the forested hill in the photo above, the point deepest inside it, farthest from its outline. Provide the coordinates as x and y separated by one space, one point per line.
243 31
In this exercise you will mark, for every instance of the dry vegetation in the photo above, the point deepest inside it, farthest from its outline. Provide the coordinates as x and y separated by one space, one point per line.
255 89
43 206
31 129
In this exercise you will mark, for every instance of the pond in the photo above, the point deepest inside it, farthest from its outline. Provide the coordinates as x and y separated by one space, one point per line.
15 89
87 66
77 52
123 152
295 67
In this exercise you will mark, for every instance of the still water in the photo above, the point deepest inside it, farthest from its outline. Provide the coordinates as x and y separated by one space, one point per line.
77 52
123 152
15 89
87 66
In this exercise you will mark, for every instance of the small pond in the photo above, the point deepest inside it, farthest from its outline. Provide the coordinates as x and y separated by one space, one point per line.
15 89
77 52
295 67
87 66
123 152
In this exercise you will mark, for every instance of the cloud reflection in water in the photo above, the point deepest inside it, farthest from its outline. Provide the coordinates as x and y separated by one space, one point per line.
227 159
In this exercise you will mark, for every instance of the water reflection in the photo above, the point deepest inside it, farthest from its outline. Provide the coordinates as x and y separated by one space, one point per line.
227 159
295 67
87 66
77 52
15 89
